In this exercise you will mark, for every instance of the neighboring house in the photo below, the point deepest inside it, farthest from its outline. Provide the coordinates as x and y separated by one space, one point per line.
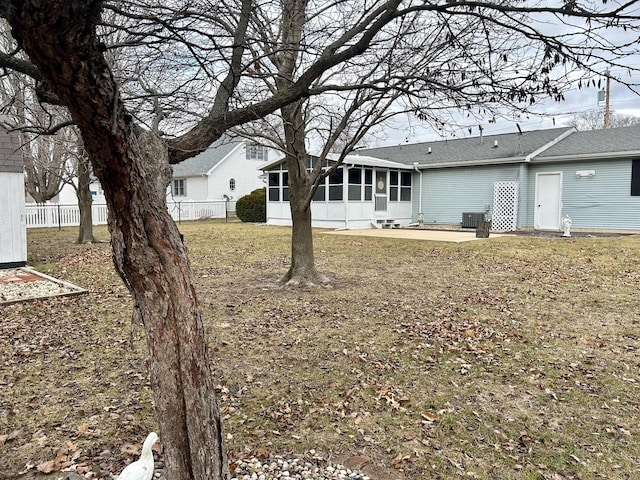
227 170
363 192
68 195
517 180
13 232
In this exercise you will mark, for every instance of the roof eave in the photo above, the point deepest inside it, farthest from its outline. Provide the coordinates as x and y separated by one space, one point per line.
588 156
223 159
489 161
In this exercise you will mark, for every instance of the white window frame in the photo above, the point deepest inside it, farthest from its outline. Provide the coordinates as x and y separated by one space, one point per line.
255 152
179 187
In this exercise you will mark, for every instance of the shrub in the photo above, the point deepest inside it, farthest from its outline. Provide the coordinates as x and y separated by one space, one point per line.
253 207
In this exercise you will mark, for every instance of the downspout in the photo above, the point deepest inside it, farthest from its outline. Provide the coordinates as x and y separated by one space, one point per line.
345 193
420 213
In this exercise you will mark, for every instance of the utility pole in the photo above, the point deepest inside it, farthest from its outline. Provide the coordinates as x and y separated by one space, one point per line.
606 100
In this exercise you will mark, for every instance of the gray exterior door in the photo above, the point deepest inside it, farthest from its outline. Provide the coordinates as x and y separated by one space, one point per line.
548 206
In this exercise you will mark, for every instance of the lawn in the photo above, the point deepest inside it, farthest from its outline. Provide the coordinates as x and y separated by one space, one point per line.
507 358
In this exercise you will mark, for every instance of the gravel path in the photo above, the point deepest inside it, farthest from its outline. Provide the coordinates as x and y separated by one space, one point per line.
293 468
19 284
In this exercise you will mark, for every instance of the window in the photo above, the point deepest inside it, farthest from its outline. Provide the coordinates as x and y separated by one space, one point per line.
285 186
393 186
232 184
274 186
180 187
399 186
405 186
335 184
256 152
321 193
368 183
355 184
278 186
635 178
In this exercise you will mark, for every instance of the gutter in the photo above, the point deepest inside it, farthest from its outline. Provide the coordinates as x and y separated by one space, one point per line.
488 161
589 156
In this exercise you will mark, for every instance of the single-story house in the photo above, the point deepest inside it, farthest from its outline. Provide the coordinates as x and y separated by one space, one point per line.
13 231
363 192
227 170
516 180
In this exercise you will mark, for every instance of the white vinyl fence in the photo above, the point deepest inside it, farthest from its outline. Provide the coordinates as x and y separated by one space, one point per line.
56 215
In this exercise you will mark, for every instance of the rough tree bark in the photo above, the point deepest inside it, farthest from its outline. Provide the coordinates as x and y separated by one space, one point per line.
302 269
85 200
59 36
148 254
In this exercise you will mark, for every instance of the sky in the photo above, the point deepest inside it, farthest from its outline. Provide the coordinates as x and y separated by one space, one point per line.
555 114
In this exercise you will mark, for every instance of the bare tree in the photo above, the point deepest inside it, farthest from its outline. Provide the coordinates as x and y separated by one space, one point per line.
43 157
482 61
594 120
53 156
80 177
44 166
209 47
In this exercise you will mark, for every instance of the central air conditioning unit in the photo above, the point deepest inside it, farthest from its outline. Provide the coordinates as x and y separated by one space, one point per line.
471 219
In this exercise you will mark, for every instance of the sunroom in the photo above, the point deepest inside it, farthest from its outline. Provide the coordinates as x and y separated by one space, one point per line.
364 192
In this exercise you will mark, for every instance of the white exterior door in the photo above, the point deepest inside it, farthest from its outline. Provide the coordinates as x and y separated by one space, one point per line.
548 206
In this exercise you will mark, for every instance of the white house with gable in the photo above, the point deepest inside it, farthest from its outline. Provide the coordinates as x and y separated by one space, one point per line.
227 170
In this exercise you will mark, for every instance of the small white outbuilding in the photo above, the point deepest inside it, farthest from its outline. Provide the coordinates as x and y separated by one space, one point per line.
13 230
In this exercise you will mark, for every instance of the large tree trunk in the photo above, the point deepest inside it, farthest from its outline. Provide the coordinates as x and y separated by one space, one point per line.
302 270
133 169
85 201
152 260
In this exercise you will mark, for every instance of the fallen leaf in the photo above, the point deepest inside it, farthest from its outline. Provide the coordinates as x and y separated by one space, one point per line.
11 436
430 416
46 467
82 429
399 461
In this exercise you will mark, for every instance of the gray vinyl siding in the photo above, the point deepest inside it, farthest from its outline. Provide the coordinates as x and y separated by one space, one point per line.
448 192
603 201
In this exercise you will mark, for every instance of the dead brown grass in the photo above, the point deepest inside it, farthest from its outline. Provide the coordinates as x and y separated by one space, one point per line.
508 358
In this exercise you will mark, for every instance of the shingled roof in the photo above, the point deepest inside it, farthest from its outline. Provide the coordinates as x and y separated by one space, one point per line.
606 143
489 149
10 156
203 163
